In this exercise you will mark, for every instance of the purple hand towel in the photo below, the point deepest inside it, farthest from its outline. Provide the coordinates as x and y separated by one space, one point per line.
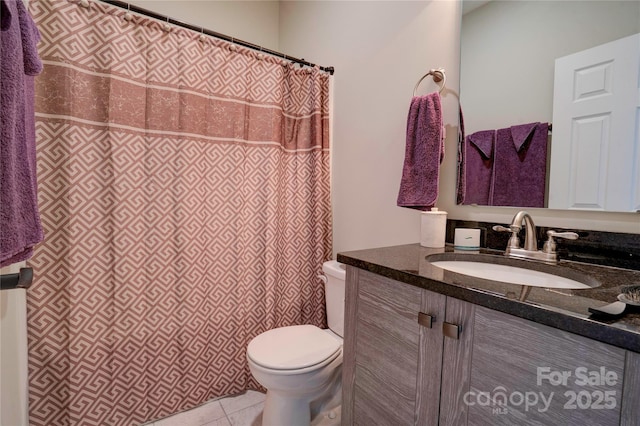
424 152
478 171
521 165
19 214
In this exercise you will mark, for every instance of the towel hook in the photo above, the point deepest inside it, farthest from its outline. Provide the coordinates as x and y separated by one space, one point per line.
438 76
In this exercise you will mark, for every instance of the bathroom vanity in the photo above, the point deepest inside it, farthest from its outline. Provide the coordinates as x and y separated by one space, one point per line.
428 346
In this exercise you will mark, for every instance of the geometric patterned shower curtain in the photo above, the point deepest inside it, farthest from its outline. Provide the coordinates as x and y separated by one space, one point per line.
184 190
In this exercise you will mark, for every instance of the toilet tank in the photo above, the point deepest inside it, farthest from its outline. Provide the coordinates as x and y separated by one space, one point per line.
334 279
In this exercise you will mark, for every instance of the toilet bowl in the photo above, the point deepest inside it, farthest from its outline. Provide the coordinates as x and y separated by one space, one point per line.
301 365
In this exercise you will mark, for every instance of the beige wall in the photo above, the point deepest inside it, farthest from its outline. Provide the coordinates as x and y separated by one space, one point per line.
380 49
255 21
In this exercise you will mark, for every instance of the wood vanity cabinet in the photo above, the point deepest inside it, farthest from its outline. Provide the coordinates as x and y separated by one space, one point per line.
412 356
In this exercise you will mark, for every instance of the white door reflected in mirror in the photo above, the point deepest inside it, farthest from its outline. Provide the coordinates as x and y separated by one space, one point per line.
594 112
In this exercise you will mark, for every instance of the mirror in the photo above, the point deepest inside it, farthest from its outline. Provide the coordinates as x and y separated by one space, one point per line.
507 70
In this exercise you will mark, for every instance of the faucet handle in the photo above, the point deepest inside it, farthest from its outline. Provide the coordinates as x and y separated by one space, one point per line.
500 228
514 241
550 244
565 235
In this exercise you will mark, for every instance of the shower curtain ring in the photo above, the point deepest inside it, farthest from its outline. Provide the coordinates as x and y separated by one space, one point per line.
128 16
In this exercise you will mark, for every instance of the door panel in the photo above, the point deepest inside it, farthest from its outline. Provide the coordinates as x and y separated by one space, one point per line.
594 150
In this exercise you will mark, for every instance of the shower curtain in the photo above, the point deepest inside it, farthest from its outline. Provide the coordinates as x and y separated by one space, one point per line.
184 189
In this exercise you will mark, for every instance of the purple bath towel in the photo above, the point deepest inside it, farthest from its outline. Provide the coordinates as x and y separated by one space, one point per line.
478 162
521 165
20 227
424 152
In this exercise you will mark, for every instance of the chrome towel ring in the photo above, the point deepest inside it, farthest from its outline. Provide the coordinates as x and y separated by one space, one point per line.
438 76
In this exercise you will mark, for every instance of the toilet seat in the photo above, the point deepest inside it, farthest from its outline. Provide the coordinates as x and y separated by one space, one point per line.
297 347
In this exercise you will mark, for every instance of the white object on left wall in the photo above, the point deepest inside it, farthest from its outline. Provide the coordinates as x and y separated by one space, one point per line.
14 379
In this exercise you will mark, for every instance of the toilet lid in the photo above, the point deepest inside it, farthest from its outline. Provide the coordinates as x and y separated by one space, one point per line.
292 348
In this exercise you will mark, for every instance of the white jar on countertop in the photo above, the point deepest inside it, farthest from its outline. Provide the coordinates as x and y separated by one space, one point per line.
433 228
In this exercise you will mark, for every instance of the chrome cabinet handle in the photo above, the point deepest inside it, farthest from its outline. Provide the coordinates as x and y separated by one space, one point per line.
451 330
426 320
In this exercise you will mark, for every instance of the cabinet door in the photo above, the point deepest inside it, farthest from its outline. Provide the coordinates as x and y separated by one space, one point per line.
381 351
456 363
445 359
525 373
631 393
430 358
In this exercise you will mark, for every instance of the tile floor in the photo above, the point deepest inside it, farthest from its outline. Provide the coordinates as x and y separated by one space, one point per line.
240 410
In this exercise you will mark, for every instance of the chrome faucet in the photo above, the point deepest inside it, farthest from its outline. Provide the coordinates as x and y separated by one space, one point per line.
530 250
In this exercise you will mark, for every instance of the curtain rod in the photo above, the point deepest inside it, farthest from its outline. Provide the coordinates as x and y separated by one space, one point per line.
151 14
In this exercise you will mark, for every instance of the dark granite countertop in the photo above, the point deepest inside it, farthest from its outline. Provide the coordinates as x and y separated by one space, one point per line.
563 309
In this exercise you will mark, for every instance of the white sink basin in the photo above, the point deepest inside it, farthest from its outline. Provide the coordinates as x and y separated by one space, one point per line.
512 271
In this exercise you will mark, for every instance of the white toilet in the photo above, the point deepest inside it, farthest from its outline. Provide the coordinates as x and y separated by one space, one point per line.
300 365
